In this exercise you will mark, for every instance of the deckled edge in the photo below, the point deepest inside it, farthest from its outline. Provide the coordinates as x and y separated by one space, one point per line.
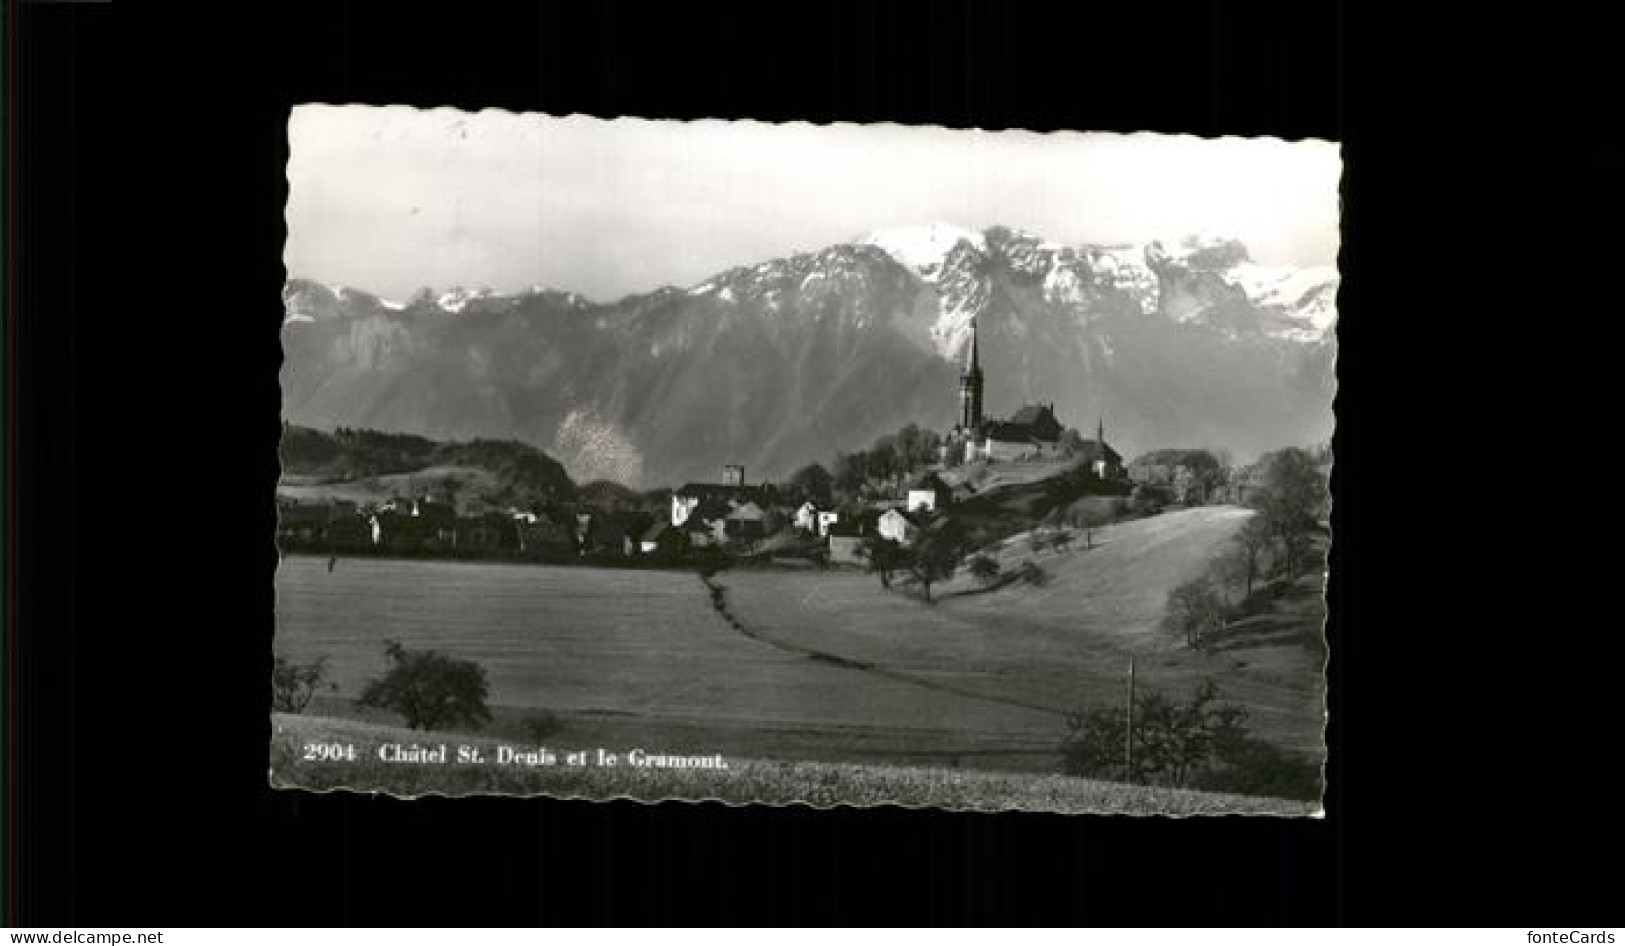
1319 814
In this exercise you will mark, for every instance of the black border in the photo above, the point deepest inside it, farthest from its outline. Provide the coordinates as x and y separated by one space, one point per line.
144 406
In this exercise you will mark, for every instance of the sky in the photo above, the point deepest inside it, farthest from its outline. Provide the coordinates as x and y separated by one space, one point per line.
393 199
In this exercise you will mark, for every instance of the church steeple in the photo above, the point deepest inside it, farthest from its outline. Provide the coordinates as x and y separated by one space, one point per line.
1100 430
970 387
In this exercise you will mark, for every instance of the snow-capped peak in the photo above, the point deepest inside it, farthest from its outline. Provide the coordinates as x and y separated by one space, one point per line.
457 298
923 248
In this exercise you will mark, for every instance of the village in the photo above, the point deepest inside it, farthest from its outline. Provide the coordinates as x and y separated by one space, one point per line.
808 520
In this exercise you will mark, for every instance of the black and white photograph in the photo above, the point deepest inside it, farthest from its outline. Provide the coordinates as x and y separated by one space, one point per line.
790 463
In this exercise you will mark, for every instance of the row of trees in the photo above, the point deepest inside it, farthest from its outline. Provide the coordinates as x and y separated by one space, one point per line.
1288 492
903 453
936 556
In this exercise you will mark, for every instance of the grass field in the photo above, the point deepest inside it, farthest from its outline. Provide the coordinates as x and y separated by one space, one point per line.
820 784
622 654
1060 646
823 666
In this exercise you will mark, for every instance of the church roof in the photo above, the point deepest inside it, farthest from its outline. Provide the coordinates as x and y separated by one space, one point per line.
1092 450
1012 432
1031 414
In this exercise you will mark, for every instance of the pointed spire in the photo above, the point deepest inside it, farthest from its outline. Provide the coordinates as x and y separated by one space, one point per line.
1100 430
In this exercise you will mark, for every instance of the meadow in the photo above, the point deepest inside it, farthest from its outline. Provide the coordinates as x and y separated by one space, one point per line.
629 656
814 665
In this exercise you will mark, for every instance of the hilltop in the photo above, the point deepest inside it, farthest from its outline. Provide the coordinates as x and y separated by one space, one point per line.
370 465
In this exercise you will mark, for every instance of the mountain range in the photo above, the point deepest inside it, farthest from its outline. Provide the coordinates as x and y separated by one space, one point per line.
787 361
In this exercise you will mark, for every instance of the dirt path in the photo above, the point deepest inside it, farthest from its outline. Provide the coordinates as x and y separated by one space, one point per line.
719 598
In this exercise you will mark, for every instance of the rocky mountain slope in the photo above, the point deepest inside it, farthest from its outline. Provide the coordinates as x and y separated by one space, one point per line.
789 360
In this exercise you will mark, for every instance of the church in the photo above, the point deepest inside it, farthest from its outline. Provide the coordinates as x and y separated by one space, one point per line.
1031 433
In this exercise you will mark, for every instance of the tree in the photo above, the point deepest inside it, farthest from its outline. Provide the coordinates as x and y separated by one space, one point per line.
451 487
851 472
1289 491
1230 570
1196 610
811 482
430 689
1033 573
1252 541
885 556
984 568
1173 743
293 685
884 461
935 556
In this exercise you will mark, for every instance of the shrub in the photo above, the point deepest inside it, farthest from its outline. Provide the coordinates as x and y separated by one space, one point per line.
1174 743
984 568
1032 573
1148 500
1254 767
430 689
293 685
1196 610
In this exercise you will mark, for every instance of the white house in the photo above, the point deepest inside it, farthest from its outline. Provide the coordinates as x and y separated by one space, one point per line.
681 507
928 493
806 517
825 520
898 527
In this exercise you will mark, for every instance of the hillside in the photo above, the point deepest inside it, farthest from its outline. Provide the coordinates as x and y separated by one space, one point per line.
1049 648
369 465
787 361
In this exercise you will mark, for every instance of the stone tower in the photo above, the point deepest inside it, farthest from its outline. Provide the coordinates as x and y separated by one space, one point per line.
970 388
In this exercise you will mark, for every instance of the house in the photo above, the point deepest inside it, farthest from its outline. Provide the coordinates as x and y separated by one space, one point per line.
806 517
487 533
745 522
898 526
928 493
706 497
732 490
404 532
617 532
826 519
661 539
700 534
541 537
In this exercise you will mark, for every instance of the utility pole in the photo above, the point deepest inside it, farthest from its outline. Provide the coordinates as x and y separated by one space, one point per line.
1128 730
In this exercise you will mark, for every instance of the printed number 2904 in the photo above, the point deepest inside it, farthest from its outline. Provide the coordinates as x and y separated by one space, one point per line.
329 752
